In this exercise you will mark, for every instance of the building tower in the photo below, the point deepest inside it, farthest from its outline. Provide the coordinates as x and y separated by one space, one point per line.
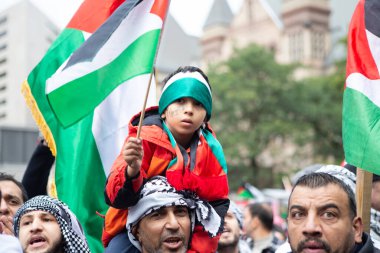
215 31
306 33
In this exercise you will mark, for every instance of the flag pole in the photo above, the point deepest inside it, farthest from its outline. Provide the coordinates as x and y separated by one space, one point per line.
363 196
142 116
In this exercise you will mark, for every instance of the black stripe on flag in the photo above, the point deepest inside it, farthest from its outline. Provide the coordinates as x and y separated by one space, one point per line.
90 47
372 16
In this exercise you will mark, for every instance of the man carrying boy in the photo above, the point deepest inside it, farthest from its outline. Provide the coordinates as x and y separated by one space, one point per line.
176 141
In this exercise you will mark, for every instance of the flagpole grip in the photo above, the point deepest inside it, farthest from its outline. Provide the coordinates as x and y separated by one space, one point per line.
363 196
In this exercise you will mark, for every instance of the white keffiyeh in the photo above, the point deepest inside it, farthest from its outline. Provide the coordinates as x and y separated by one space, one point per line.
158 193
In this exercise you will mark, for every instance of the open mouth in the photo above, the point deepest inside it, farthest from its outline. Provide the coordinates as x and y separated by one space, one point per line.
37 241
173 242
226 230
313 247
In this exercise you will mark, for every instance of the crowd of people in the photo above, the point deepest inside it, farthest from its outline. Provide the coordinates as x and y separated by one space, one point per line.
168 192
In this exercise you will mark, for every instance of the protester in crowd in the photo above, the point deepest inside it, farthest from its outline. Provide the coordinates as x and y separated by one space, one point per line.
36 176
163 219
322 217
258 226
12 196
230 240
176 141
347 175
45 224
9 244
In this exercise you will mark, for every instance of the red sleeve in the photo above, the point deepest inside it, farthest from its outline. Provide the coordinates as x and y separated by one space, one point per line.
201 242
120 191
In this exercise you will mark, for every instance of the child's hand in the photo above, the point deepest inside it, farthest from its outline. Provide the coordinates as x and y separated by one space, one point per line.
132 154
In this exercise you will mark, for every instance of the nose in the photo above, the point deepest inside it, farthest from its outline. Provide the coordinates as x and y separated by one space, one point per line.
312 226
172 221
4 210
36 225
189 106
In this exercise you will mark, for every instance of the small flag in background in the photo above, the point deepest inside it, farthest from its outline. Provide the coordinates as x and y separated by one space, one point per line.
89 101
361 102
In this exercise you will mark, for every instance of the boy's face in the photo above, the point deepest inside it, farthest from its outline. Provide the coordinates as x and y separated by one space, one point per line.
183 117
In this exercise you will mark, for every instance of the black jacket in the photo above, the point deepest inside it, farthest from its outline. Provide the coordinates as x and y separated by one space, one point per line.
366 246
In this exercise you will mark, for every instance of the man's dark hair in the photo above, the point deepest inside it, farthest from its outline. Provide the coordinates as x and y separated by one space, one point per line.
7 177
263 212
185 69
320 179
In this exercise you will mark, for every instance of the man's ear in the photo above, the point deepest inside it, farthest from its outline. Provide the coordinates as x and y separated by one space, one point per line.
357 226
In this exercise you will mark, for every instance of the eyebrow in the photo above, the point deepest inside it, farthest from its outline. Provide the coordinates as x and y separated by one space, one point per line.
323 207
44 214
10 196
296 207
328 205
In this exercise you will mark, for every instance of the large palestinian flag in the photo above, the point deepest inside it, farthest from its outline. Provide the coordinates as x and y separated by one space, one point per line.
361 103
85 105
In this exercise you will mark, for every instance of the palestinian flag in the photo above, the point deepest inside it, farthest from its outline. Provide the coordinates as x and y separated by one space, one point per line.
361 102
101 85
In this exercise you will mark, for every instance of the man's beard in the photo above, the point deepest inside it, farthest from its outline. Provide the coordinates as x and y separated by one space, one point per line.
55 248
228 244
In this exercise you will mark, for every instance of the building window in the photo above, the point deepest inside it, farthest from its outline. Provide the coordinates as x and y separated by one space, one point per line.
3 88
3 115
49 40
3 33
52 29
3 74
2 61
318 45
3 47
296 46
3 20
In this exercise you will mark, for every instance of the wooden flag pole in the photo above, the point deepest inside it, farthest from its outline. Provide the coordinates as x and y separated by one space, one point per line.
142 116
363 196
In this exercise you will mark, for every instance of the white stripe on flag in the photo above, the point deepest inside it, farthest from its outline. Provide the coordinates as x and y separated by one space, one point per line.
111 117
370 88
116 44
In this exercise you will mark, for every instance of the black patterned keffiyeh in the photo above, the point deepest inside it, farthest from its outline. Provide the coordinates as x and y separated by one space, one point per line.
157 193
72 233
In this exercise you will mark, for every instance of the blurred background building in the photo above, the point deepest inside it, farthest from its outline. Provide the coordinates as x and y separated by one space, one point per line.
299 31
296 31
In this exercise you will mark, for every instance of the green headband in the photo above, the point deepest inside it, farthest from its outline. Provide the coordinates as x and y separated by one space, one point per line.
186 87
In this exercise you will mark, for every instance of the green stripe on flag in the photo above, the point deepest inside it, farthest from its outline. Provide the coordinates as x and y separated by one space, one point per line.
361 131
94 87
80 177
66 43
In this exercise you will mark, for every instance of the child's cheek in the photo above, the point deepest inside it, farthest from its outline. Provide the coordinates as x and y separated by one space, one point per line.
175 112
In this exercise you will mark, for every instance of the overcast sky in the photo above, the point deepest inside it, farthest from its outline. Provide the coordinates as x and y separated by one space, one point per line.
190 14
